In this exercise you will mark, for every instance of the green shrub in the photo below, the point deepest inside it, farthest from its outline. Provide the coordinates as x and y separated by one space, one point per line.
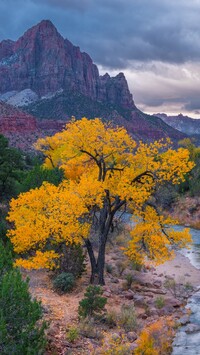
34 178
127 318
129 280
6 259
136 266
172 286
121 266
20 332
12 166
111 319
72 334
93 302
88 329
159 302
64 282
72 259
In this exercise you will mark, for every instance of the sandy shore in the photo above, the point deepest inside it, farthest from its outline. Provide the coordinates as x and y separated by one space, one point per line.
180 269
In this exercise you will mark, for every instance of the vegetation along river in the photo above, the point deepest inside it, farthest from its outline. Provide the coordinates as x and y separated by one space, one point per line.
189 343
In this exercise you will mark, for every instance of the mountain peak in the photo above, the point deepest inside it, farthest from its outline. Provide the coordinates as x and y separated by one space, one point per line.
45 25
44 29
43 61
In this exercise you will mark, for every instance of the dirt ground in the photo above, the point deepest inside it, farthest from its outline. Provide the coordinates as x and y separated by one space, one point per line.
61 311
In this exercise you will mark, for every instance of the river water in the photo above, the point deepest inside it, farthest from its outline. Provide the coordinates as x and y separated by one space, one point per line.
184 343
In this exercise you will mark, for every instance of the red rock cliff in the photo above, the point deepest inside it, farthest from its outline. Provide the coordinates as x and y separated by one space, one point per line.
44 62
14 120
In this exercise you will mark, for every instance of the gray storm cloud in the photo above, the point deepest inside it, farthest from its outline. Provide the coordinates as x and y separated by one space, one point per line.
115 32
141 37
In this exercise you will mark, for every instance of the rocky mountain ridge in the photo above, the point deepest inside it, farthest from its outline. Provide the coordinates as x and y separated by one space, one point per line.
183 123
51 79
43 61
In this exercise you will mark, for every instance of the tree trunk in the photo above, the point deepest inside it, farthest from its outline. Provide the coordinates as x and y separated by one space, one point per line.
101 263
93 262
97 266
106 219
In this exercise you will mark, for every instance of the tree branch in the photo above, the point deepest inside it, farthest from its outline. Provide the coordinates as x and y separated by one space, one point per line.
146 173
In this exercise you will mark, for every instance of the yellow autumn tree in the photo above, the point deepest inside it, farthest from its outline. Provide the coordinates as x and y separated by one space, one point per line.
105 171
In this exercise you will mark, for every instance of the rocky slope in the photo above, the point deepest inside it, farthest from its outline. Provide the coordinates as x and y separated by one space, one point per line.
23 129
15 120
51 78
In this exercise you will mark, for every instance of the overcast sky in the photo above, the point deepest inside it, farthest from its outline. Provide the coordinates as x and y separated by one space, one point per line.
156 43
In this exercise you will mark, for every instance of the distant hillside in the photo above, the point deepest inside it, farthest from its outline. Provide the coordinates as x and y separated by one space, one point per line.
185 124
23 129
15 120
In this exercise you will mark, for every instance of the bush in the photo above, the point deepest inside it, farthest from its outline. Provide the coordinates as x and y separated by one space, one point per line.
121 266
136 266
129 280
72 259
64 282
127 318
115 345
20 332
12 166
35 177
92 303
6 260
111 319
178 290
156 339
72 334
159 302
89 330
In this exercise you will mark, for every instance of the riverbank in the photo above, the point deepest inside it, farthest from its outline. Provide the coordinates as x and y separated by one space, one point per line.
180 269
155 293
187 210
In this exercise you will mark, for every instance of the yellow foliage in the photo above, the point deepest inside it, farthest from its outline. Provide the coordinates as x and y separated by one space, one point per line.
152 236
40 260
156 338
105 169
50 215
115 346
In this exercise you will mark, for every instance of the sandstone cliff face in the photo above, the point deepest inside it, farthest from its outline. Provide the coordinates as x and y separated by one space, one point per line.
6 49
23 129
14 120
53 80
44 62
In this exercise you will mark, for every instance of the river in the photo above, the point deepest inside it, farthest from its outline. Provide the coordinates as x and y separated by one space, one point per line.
184 343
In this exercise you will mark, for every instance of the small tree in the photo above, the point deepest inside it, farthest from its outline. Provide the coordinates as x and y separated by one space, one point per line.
192 183
93 302
21 328
38 174
19 332
11 166
6 259
106 171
